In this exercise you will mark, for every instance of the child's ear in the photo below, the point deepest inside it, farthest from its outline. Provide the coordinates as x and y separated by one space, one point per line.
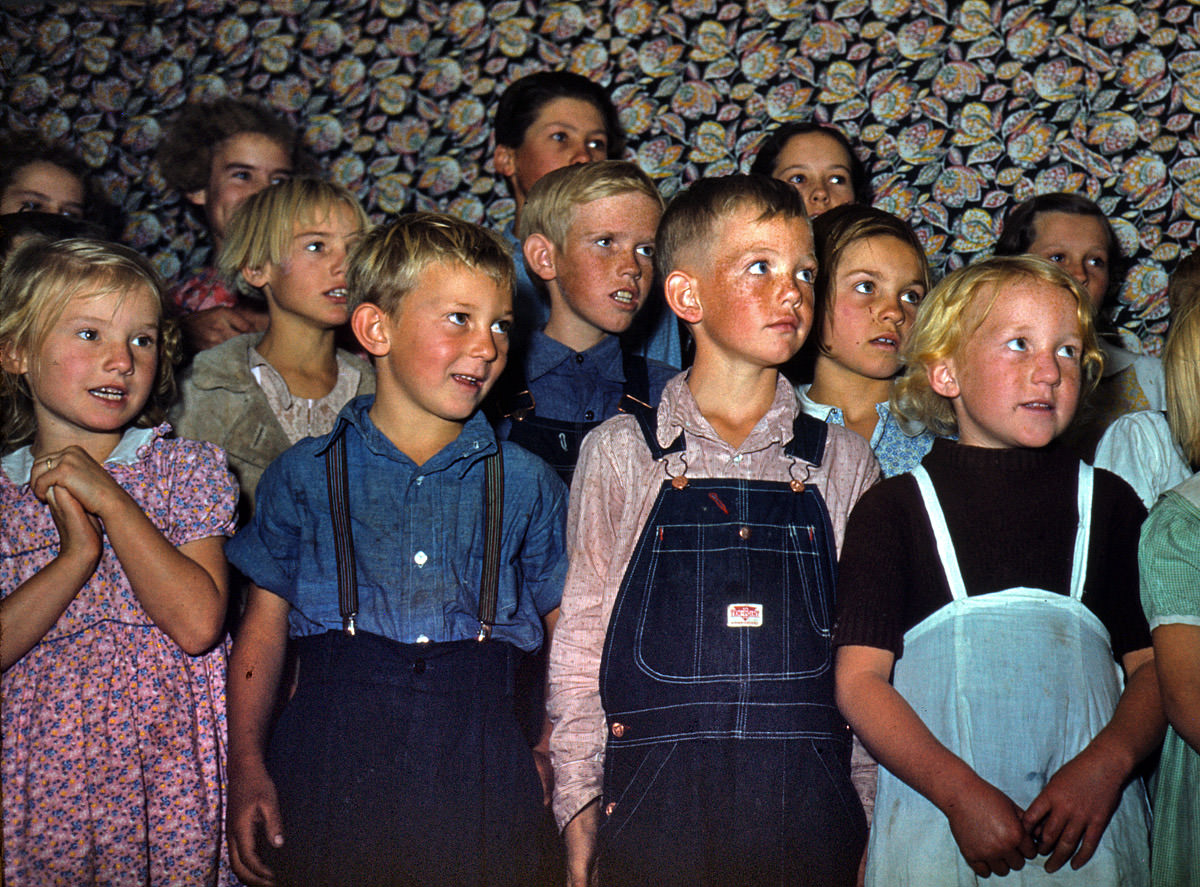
540 255
372 328
256 277
505 161
681 291
943 378
12 359
199 197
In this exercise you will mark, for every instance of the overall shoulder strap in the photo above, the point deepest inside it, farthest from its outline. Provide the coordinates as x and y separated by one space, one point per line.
637 380
647 418
808 439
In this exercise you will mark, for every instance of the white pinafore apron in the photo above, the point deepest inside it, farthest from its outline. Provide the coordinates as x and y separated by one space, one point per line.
1016 683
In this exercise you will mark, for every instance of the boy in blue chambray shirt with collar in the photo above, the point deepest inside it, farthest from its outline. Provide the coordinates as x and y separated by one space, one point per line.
587 236
409 556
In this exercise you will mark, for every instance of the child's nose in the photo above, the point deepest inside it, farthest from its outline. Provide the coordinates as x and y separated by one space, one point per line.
1046 368
120 357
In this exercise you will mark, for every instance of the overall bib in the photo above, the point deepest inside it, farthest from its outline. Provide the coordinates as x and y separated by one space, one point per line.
402 764
1016 683
557 441
727 761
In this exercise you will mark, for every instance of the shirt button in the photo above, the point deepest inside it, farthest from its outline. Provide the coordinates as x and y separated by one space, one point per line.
418 479
618 729
420 558
737 457
743 533
579 358
421 639
611 808
589 416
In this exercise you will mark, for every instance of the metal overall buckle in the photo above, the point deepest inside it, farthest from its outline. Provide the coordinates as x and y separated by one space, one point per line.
348 624
485 632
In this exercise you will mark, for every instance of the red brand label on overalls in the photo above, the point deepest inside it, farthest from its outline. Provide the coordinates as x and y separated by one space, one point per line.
744 616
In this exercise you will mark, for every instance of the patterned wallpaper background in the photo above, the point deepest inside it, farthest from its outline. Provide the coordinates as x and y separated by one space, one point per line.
960 108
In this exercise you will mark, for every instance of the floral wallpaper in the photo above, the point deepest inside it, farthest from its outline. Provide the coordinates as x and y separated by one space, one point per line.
960 108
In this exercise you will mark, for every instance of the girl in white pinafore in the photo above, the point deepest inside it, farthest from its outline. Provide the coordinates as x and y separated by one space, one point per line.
1007 737
1017 740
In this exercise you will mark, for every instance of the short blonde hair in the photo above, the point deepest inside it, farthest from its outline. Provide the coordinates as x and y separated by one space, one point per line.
694 215
550 207
262 228
1181 367
40 279
947 317
1184 285
386 264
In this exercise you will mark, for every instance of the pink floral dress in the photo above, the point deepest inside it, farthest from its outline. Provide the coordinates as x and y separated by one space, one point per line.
113 737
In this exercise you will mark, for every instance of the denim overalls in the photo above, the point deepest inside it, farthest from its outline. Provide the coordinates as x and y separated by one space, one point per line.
558 441
727 761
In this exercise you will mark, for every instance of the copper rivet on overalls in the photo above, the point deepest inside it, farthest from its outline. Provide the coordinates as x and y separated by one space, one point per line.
797 486
618 729
679 482
743 533
608 810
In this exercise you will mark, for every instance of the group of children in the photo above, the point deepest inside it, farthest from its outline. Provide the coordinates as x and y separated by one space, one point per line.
730 595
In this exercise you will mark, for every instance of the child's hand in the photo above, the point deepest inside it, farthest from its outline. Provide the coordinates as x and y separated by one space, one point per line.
253 808
987 827
79 533
79 474
1070 815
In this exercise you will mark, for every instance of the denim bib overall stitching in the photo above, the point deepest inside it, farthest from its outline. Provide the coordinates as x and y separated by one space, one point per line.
717 684
402 764
557 441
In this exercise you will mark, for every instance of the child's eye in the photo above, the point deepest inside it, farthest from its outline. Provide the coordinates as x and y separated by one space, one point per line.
866 287
806 275
1068 351
458 318
30 206
242 175
144 341
280 177
1097 262
605 242
1017 344
797 178
1057 257
88 335
502 327
646 250
598 145
912 297
759 267
315 246
558 136
837 179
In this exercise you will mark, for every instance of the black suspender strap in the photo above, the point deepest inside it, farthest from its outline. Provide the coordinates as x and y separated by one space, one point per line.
338 482
493 518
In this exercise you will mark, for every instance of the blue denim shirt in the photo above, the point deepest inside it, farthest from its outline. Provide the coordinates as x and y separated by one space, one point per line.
897 451
418 536
580 387
661 342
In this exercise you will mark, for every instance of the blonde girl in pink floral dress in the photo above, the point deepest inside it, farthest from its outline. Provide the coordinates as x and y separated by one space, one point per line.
112 584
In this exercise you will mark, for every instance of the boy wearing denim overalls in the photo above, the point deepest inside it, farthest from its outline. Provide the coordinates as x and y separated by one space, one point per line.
408 556
695 736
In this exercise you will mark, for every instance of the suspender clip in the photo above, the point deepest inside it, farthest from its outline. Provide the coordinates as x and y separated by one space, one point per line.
348 624
485 632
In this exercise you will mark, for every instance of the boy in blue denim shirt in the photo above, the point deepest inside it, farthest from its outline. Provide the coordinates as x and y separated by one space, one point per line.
408 563
587 234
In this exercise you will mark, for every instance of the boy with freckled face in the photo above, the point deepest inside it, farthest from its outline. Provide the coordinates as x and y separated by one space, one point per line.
587 235
695 735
